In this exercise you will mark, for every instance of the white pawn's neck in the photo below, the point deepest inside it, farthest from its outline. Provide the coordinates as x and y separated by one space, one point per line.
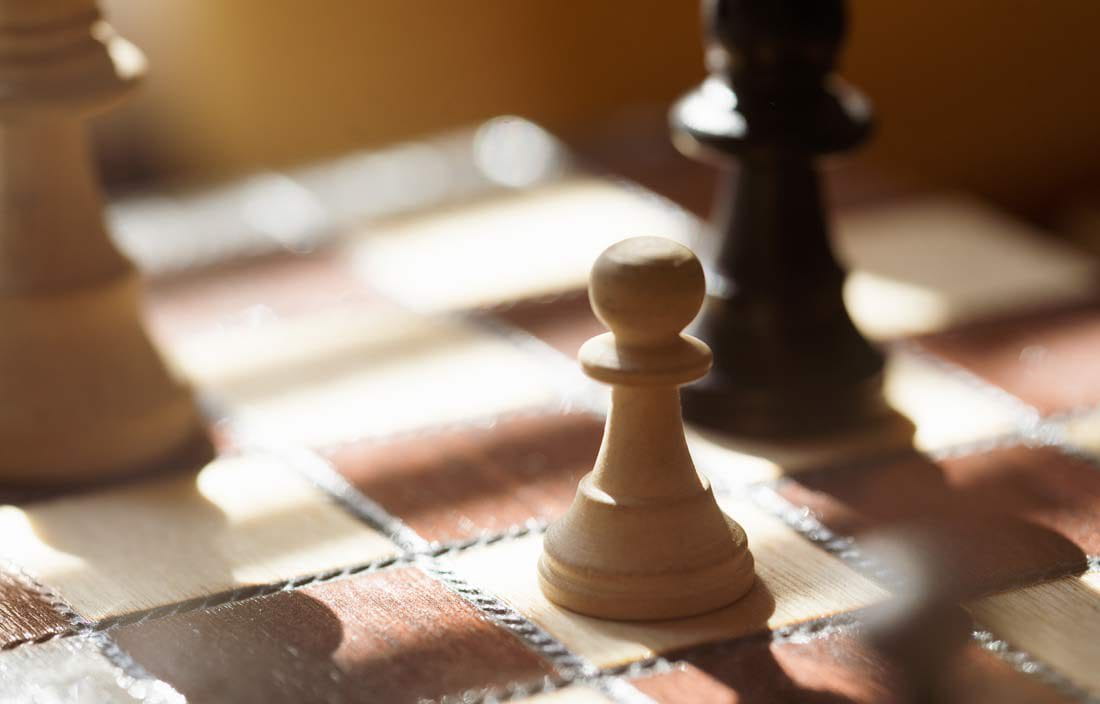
644 456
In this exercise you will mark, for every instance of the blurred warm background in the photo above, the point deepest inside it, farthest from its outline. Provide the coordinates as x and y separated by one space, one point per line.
1000 99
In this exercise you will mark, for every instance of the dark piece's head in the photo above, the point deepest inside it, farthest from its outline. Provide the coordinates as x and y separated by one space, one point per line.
785 37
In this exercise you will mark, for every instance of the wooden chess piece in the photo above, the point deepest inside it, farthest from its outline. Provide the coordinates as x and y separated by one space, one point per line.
789 361
645 538
85 394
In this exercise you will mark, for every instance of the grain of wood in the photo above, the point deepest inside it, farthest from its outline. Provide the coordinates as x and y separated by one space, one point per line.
462 482
350 372
918 267
829 667
797 582
25 612
239 521
391 636
1057 622
1000 518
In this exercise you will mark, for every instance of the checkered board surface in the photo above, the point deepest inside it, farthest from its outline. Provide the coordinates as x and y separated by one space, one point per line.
398 417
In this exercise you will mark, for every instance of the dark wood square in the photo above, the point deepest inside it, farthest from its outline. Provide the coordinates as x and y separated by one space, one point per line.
25 612
393 636
244 293
1001 518
565 323
1047 358
461 483
837 668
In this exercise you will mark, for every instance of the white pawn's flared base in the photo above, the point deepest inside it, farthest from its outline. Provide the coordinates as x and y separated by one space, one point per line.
641 562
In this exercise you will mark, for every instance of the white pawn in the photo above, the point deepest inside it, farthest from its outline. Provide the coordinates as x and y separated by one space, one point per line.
644 538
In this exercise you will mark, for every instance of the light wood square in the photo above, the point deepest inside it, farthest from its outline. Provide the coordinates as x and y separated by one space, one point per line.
797 582
1058 622
946 409
918 266
240 521
924 265
522 245
347 373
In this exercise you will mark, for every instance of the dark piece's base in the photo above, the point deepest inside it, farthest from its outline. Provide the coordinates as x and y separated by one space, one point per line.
777 415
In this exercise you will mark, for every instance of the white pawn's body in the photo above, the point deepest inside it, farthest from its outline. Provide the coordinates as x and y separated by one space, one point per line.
645 538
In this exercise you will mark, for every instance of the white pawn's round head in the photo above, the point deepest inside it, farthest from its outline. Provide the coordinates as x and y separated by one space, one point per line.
646 290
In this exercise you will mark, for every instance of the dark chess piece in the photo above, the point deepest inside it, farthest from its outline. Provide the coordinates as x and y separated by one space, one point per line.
788 360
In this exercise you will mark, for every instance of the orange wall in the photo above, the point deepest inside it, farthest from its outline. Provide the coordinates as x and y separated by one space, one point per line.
1005 103
244 82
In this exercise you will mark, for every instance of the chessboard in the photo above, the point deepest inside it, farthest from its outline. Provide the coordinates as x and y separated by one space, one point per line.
398 414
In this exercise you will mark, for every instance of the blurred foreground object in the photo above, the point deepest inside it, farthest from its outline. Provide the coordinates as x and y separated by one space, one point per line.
922 630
